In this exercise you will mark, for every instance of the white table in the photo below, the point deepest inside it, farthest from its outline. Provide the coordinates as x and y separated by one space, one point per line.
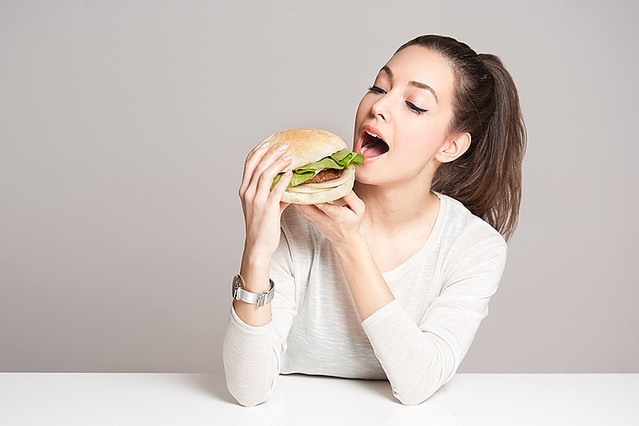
89 399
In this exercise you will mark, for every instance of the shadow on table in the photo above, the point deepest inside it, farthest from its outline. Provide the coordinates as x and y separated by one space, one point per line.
431 412
214 385
378 387
387 410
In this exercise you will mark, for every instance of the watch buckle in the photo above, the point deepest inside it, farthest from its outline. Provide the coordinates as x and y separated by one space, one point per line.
261 300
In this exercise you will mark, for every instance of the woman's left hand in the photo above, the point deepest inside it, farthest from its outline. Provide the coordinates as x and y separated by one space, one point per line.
340 221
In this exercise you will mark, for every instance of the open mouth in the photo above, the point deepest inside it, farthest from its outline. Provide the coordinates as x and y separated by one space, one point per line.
372 145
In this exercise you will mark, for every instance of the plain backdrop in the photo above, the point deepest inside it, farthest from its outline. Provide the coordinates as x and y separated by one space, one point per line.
124 126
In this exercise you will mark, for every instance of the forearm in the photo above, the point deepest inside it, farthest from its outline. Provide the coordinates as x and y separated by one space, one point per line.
367 285
254 271
252 353
417 364
250 361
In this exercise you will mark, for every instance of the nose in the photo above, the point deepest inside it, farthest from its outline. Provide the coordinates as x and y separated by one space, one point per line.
379 108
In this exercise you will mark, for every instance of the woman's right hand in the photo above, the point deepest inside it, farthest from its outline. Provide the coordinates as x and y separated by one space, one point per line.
262 206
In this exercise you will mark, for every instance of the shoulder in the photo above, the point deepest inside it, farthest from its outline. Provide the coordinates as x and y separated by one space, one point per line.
463 231
475 251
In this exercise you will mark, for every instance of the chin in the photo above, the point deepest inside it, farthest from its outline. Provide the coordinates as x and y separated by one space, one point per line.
365 177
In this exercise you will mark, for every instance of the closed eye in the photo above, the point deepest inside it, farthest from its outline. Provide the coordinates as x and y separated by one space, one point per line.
376 89
415 108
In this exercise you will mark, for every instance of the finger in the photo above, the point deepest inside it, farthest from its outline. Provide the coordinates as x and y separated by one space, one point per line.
310 212
340 210
280 187
250 163
255 151
354 203
339 202
272 163
267 161
333 211
265 181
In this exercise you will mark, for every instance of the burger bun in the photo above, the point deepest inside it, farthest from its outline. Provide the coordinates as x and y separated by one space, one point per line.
307 146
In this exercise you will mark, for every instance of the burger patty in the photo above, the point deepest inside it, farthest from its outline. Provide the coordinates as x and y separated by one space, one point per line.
326 174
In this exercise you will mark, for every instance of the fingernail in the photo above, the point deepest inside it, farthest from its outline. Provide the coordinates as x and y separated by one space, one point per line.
282 147
286 157
264 145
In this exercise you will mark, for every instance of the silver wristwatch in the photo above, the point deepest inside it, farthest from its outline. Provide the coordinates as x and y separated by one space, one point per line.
259 299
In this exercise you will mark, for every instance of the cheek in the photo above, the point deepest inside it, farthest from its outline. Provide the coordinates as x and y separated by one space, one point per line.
422 138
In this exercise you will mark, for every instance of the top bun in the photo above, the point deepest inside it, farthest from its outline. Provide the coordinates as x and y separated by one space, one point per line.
305 145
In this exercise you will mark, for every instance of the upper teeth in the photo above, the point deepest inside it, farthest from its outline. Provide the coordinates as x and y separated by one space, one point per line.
372 134
370 143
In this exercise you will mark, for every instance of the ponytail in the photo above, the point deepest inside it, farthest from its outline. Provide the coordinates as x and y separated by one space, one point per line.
487 178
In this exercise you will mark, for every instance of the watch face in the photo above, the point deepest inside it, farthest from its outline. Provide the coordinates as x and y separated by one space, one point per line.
236 285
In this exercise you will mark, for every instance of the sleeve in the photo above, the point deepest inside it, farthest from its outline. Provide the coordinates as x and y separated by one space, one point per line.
251 355
419 358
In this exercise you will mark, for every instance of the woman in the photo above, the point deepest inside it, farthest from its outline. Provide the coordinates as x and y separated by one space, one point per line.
394 279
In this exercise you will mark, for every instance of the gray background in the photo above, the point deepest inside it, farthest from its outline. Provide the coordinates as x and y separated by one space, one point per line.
124 126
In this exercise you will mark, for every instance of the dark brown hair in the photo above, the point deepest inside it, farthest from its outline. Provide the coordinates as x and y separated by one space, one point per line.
487 178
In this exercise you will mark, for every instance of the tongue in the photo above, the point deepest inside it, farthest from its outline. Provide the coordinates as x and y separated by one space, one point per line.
375 150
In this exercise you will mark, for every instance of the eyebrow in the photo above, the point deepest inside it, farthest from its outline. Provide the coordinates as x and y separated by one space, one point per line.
413 83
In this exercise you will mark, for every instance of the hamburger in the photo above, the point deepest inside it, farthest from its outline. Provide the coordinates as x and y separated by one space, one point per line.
323 166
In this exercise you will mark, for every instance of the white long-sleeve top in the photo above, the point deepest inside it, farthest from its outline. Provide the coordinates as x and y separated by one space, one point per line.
417 341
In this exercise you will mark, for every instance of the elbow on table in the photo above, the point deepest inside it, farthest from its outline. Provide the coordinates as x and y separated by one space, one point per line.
247 397
418 391
413 397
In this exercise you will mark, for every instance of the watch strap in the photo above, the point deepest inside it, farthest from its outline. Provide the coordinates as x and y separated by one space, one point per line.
259 299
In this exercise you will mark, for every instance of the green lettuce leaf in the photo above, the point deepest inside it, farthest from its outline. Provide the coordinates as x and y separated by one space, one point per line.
339 160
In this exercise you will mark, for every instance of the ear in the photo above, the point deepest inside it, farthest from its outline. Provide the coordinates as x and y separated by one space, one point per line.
454 148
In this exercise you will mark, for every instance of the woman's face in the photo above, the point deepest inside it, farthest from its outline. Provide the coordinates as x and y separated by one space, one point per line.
402 122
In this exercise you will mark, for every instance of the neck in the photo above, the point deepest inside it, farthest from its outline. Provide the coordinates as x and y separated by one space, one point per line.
392 209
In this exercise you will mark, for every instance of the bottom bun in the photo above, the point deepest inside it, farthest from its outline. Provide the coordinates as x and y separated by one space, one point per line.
323 195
